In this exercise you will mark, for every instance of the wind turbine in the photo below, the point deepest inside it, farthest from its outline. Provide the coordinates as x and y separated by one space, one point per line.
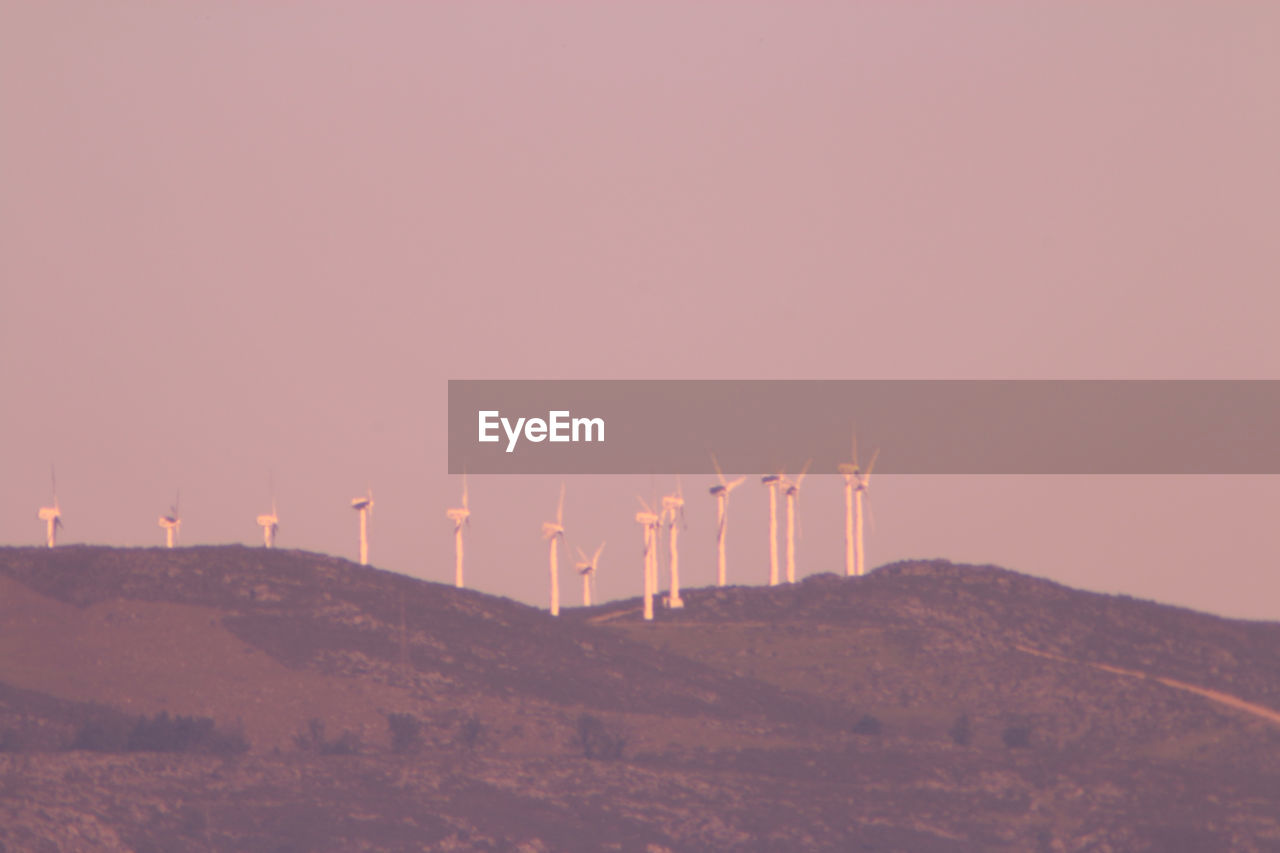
673 510
856 482
459 516
792 491
721 494
587 568
270 524
172 521
771 482
648 519
51 515
364 506
553 532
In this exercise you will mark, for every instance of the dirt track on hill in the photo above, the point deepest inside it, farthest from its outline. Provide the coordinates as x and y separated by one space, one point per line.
1227 699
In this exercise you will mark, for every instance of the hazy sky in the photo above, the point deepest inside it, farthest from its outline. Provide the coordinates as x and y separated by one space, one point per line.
245 240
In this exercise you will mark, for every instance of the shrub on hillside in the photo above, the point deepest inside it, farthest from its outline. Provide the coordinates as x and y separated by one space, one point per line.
1017 737
106 733
312 739
160 733
867 725
597 740
470 732
961 730
406 733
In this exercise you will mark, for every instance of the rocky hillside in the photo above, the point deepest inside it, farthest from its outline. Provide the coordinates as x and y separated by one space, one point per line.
231 698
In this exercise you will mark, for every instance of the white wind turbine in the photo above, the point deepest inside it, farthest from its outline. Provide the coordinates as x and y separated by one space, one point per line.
459 516
856 482
721 494
771 481
587 568
553 532
673 514
649 520
364 506
172 522
792 491
270 524
51 515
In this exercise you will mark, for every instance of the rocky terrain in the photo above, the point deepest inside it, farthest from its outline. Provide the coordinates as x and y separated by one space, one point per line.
240 699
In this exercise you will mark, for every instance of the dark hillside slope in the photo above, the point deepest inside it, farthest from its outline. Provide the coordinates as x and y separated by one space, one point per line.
924 707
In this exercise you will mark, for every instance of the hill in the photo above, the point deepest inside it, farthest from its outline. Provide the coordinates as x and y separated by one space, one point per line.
926 706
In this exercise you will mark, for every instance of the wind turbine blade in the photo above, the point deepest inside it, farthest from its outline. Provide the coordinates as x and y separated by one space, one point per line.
719 473
464 491
596 556
871 464
560 506
803 472
645 504
855 447
582 555
729 487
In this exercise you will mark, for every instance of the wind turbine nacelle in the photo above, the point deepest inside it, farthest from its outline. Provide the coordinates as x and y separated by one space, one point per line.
166 521
770 479
718 490
848 469
268 520
48 513
360 503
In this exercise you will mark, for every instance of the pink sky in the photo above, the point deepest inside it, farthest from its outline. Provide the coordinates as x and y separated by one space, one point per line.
246 237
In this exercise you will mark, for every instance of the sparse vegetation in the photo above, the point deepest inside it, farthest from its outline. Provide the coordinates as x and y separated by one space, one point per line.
598 740
867 725
470 731
106 733
961 730
161 733
748 715
312 739
1017 736
406 733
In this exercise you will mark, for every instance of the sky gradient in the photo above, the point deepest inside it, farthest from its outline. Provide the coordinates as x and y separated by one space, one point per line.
245 243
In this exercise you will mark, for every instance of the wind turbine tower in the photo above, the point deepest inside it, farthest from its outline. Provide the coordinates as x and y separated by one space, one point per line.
648 519
172 522
856 482
364 506
459 516
721 494
792 491
553 532
587 568
270 524
771 482
673 512
51 515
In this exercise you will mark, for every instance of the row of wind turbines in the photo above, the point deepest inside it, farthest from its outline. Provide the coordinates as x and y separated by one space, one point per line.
171 522
671 518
